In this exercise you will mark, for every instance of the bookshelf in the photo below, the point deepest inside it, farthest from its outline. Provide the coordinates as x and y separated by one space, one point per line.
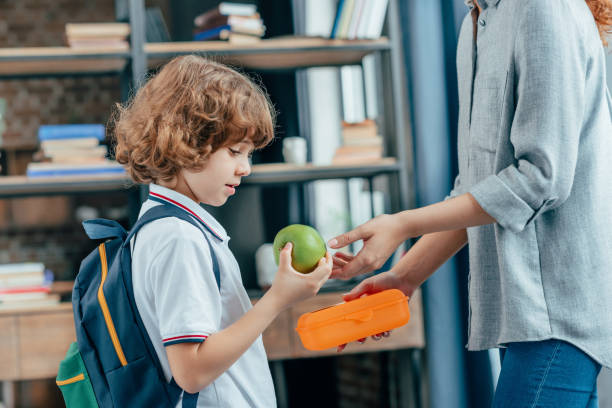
281 54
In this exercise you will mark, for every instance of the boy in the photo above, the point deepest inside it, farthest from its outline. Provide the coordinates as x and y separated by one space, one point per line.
189 132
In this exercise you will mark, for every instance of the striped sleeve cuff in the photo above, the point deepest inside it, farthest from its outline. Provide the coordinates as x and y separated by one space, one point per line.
187 338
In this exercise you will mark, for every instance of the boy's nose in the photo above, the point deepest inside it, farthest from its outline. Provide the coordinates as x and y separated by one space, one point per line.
244 169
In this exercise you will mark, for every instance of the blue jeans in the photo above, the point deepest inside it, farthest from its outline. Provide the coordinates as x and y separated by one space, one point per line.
550 373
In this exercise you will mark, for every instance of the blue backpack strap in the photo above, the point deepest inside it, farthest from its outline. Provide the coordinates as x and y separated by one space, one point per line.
165 211
100 228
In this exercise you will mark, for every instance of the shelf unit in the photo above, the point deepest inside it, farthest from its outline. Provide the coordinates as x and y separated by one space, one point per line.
262 174
278 54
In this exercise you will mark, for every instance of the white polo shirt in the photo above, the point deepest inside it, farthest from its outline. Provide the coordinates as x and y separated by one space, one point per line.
178 299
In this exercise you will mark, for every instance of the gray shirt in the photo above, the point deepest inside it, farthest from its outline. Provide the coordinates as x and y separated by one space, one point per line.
535 150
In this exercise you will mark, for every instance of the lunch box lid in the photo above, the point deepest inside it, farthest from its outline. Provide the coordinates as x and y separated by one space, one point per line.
359 310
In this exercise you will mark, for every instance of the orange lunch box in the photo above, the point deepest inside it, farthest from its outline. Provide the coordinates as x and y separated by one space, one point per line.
353 320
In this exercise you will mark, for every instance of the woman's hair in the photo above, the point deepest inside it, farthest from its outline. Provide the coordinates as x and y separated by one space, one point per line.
190 109
602 11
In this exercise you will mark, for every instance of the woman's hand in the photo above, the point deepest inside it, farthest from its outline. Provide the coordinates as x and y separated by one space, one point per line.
380 282
374 284
290 286
381 236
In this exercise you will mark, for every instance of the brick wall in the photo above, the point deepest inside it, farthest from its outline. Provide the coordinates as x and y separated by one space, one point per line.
44 228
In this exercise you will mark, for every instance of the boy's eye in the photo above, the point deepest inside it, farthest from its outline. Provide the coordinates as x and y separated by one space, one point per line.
234 151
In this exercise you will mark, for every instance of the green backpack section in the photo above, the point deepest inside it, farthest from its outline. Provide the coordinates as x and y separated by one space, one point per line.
73 380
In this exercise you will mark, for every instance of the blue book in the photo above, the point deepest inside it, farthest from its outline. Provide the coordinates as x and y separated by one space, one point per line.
337 19
213 33
56 132
58 169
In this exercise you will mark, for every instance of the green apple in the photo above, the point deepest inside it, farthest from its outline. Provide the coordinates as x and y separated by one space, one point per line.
308 246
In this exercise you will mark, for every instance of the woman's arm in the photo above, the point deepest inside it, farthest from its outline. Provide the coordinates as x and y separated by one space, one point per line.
196 365
416 266
383 234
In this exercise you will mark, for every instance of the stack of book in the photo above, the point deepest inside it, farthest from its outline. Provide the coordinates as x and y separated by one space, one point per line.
25 285
360 144
98 35
234 22
359 19
72 150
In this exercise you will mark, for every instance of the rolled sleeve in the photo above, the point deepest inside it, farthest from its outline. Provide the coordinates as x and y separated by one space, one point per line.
456 188
550 70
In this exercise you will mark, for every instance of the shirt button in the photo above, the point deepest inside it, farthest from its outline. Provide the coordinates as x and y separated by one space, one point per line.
482 22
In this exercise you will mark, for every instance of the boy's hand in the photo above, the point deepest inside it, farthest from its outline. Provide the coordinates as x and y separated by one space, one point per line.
290 286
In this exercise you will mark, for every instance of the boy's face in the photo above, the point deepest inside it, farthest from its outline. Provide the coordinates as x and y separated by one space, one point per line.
221 175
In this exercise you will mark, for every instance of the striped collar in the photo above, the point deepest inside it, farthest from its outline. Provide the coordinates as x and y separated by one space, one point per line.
169 196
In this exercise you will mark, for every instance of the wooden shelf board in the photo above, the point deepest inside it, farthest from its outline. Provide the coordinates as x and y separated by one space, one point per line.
23 185
273 173
60 60
272 54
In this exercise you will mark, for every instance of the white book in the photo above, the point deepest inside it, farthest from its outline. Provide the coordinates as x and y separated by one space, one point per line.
364 21
356 17
22 267
237 9
353 99
21 281
32 303
377 19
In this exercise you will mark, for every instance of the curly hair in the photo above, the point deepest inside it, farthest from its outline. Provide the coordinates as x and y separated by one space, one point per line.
189 110
602 12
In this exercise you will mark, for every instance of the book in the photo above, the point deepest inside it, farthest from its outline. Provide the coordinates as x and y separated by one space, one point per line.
119 45
376 18
155 26
54 132
48 300
364 150
357 18
334 29
25 280
97 30
345 18
212 34
224 32
21 268
363 141
225 9
237 23
75 151
69 144
365 129
24 292
87 169
353 98
239 38
356 159
28 275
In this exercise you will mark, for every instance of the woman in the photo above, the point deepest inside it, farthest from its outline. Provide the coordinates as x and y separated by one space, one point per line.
533 198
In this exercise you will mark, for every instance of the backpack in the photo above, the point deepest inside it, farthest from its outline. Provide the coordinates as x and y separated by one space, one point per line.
113 362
